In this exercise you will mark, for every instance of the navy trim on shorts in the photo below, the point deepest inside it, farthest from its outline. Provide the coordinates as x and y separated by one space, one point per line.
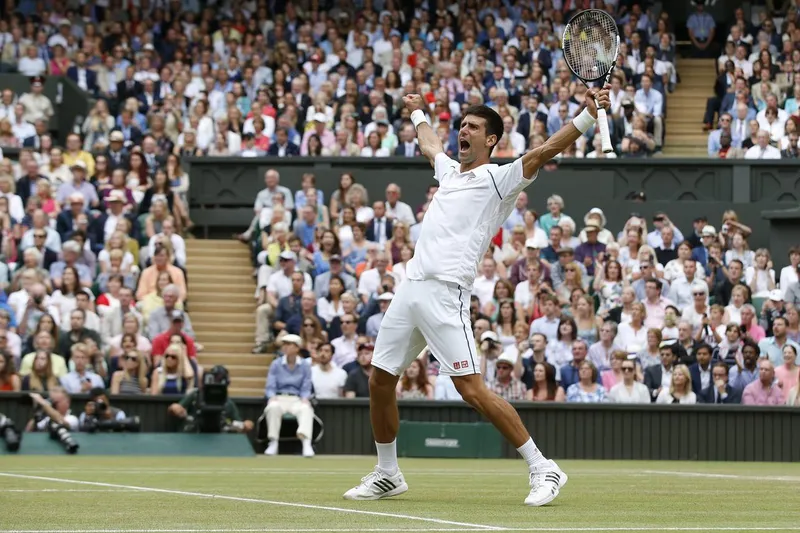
461 316
495 188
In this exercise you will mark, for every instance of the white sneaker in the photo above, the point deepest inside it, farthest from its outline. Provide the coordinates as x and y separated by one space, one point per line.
546 482
308 450
272 449
376 485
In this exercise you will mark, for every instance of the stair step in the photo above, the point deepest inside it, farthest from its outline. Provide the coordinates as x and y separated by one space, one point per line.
221 335
214 317
222 306
239 371
230 347
252 383
233 270
244 359
226 324
243 297
203 244
217 259
234 280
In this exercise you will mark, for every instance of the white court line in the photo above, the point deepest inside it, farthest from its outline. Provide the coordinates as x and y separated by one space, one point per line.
255 500
788 479
425 530
66 490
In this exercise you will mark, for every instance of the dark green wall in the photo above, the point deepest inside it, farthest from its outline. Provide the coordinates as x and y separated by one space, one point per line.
223 189
74 101
562 431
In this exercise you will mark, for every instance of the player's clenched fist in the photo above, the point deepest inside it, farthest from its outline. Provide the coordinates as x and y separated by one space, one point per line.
601 97
414 102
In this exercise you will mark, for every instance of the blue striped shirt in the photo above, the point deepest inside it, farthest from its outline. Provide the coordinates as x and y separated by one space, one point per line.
283 380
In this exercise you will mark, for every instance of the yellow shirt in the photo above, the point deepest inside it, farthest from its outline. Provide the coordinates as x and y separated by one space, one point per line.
58 363
86 157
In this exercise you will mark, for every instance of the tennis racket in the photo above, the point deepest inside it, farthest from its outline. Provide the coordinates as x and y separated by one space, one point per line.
591 43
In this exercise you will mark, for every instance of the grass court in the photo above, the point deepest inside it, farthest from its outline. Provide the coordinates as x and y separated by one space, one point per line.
45 494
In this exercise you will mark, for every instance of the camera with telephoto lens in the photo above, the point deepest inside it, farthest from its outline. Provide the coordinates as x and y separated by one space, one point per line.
9 433
209 405
61 434
96 422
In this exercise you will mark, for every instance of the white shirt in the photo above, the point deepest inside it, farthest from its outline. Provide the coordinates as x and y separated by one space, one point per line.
72 381
755 152
327 311
462 218
522 293
178 244
369 281
445 389
619 393
665 397
346 350
630 339
402 212
788 276
31 67
482 287
281 285
327 384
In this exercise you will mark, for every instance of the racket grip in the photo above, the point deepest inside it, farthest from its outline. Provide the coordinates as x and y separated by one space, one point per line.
605 136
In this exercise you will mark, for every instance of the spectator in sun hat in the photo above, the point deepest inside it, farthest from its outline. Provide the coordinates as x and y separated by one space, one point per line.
591 250
598 218
708 234
374 322
320 129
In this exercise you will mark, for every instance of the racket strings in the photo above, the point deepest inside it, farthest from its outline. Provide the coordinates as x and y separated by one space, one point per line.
590 44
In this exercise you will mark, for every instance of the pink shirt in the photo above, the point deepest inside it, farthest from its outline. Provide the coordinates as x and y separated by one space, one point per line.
787 377
756 333
656 312
756 394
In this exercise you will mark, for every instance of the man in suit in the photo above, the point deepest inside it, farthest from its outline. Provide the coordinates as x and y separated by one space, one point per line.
380 228
66 222
407 147
468 83
283 147
719 391
84 77
658 377
111 324
531 115
540 53
148 98
116 153
35 141
700 371
48 256
129 87
700 253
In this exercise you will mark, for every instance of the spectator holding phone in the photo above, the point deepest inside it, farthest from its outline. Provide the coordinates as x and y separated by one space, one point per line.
82 379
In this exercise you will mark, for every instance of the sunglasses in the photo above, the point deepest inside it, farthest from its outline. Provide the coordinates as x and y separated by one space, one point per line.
627 369
699 294
569 270
132 358
504 367
170 356
348 322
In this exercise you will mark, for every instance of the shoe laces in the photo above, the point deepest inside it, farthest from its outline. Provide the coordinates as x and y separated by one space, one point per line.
371 477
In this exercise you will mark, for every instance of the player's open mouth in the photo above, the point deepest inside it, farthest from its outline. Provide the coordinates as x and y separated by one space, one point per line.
463 145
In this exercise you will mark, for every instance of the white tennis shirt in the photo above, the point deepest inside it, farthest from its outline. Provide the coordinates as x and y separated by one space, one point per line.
462 218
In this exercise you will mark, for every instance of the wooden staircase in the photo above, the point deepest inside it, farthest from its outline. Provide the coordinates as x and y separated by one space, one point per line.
685 109
222 309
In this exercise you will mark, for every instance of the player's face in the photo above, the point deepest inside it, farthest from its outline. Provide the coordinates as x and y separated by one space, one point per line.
472 140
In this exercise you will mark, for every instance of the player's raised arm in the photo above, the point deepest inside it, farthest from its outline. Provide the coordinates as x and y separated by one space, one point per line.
563 138
429 143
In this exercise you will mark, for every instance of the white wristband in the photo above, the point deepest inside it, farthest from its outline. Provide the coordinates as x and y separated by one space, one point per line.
418 117
584 121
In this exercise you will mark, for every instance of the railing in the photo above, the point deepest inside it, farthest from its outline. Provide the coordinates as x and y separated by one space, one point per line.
223 189
563 431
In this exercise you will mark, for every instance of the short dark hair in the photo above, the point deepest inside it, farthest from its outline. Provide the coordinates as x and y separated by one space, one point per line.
704 346
494 123
656 282
752 344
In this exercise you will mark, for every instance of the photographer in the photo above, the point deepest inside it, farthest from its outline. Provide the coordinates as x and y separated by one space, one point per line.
189 409
99 410
56 410
490 350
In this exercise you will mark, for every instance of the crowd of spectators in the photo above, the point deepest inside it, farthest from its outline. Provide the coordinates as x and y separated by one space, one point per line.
756 93
560 311
326 78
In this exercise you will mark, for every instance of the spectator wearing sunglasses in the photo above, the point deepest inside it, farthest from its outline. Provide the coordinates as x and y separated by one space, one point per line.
629 390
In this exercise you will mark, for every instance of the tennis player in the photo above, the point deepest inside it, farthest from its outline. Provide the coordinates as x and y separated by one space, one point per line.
474 198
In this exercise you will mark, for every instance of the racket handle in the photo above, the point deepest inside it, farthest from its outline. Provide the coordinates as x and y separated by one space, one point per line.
605 136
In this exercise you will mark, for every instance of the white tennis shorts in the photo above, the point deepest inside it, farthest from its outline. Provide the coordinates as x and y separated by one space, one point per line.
433 312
